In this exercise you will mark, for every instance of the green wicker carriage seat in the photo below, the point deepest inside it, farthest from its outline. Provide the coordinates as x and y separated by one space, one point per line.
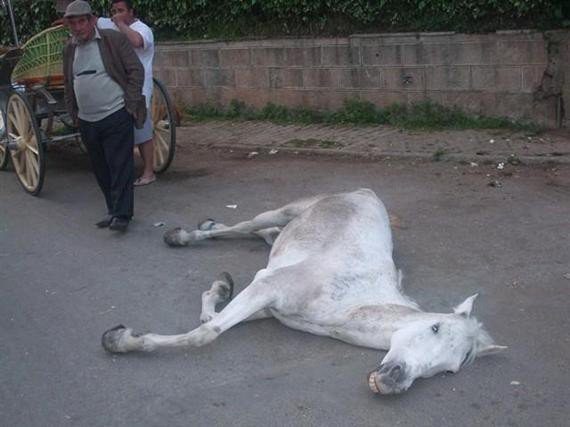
42 59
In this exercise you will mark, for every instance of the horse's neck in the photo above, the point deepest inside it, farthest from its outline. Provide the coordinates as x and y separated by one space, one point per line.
374 325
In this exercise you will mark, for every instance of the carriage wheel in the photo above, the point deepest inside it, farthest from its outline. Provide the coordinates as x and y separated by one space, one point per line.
164 127
25 144
3 142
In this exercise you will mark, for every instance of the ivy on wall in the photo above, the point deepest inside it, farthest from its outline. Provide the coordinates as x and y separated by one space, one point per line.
184 19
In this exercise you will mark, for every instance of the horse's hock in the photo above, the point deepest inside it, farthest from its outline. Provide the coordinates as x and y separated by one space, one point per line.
516 74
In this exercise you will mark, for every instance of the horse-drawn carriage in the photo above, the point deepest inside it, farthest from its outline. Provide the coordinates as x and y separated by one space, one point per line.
32 108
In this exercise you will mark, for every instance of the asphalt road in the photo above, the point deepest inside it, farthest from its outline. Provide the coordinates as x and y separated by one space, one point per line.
63 282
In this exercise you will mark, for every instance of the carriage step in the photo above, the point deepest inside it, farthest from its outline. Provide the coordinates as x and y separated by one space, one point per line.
44 92
62 137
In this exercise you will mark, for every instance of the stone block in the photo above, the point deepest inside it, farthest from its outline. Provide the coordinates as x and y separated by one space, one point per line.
532 77
370 77
447 78
348 78
166 76
522 52
250 96
235 58
324 100
301 57
217 77
508 79
195 60
472 53
252 77
340 55
417 97
467 101
186 77
285 78
292 98
320 77
210 57
382 98
404 78
192 96
159 57
496 78
175 58
382 55
267 57
513 106
483 78
412 54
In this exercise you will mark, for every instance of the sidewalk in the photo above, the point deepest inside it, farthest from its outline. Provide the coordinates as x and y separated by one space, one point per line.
379 142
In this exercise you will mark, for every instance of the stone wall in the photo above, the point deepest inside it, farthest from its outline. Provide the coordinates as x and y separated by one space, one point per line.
517 74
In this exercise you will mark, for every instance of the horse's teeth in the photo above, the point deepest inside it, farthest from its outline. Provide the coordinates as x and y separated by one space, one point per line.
372 383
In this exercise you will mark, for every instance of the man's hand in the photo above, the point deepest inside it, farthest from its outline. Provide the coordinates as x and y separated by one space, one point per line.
120 19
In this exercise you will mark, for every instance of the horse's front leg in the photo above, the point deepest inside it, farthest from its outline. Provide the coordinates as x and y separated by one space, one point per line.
221 291
250 301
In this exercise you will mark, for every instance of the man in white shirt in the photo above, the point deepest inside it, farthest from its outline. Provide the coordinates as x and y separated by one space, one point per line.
141 38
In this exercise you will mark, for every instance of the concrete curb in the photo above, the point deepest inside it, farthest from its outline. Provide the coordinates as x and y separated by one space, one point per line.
375 143
458 157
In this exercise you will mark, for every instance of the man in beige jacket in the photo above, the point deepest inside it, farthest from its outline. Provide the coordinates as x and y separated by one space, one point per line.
103 93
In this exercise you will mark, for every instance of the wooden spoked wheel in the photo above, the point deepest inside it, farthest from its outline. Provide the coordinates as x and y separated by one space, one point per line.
24 143
164 127
3 141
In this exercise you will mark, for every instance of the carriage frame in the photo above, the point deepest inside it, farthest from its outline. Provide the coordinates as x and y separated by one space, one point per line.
33 113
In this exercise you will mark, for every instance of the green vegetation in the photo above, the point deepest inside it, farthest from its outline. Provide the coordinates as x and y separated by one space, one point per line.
197 19
421 116
311 143
439 154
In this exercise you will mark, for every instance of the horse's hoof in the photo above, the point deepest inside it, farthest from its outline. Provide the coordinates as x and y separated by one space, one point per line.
206 225
174 237
204 318
226 277
111 339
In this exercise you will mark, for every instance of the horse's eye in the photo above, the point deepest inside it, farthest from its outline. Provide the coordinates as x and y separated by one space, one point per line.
435 328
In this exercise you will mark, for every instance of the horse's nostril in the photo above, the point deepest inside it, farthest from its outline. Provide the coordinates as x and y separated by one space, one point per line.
395 372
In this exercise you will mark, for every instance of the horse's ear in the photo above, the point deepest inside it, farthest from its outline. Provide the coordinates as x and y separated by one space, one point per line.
491 349
464 309
486 346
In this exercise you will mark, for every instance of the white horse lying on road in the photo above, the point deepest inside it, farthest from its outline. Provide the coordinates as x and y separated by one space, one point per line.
331 273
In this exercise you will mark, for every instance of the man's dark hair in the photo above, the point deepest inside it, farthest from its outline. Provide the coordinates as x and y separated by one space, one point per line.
128 3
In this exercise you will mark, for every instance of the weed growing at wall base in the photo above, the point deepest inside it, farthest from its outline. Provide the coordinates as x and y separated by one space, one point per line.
419 116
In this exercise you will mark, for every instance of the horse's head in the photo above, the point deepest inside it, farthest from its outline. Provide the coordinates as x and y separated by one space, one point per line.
431 344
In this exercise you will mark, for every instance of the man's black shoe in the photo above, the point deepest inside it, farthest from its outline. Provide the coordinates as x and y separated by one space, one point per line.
119 224
105 222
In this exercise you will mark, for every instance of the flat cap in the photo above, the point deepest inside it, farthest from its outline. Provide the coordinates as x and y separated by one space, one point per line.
78 8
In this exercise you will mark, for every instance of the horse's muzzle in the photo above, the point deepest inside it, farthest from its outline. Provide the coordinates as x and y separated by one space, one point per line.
387 379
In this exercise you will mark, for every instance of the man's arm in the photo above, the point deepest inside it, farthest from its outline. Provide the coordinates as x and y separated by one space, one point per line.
133 68
134 73
134 37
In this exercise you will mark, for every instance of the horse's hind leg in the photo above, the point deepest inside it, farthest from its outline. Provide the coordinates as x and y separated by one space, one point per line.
264 221
267 234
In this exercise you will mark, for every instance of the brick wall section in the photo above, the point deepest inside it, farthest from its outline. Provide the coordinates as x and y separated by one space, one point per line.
495 74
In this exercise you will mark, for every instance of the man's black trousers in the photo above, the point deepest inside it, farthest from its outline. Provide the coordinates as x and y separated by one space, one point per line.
109 143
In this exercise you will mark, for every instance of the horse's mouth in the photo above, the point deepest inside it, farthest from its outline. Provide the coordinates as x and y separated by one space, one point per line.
372 384
380 382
